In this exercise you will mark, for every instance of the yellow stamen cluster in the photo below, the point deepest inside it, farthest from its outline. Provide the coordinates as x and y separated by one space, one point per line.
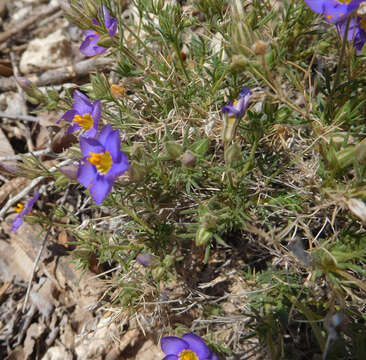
85 121
187 355
102 162
19 208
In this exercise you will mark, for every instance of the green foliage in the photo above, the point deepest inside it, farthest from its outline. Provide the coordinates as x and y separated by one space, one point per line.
197 202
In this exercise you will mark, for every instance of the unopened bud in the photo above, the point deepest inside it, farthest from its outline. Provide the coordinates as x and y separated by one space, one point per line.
144 259
117 91
106 41
158 273
34 95
361 152
232 154
346 156
70 171
22 82
229 129
59 212
169 260
259 47
238 63
209 221
203 236
188 159
173 149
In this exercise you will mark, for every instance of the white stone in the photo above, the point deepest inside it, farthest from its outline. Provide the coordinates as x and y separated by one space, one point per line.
49 53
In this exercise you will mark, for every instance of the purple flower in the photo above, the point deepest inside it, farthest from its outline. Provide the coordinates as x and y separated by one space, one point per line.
356 32
22 82
144 259
333 10
89 46
70 171
240 106
83 114
23 210
103 162
189 347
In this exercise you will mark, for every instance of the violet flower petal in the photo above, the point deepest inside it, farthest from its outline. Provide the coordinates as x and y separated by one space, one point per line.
171 357
117 169
197 345
104 133
172 345
96 112
89 46
91 133
100 188
112 29
73 128
113 145
107 17
144 259
90 145
87 173
18 220
82 104
68 116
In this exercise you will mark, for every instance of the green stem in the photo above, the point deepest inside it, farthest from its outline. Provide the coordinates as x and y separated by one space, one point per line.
250 161
341 57
133 215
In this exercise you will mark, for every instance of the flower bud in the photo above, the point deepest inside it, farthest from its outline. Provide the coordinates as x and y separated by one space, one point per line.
232 154
238 63
229 129
259 47
34 95
173 149
345 157
188 159
203 236
158 273
22 82
361 152
144 259
106 41
70 171
169 260
117 91
59 212
209 221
